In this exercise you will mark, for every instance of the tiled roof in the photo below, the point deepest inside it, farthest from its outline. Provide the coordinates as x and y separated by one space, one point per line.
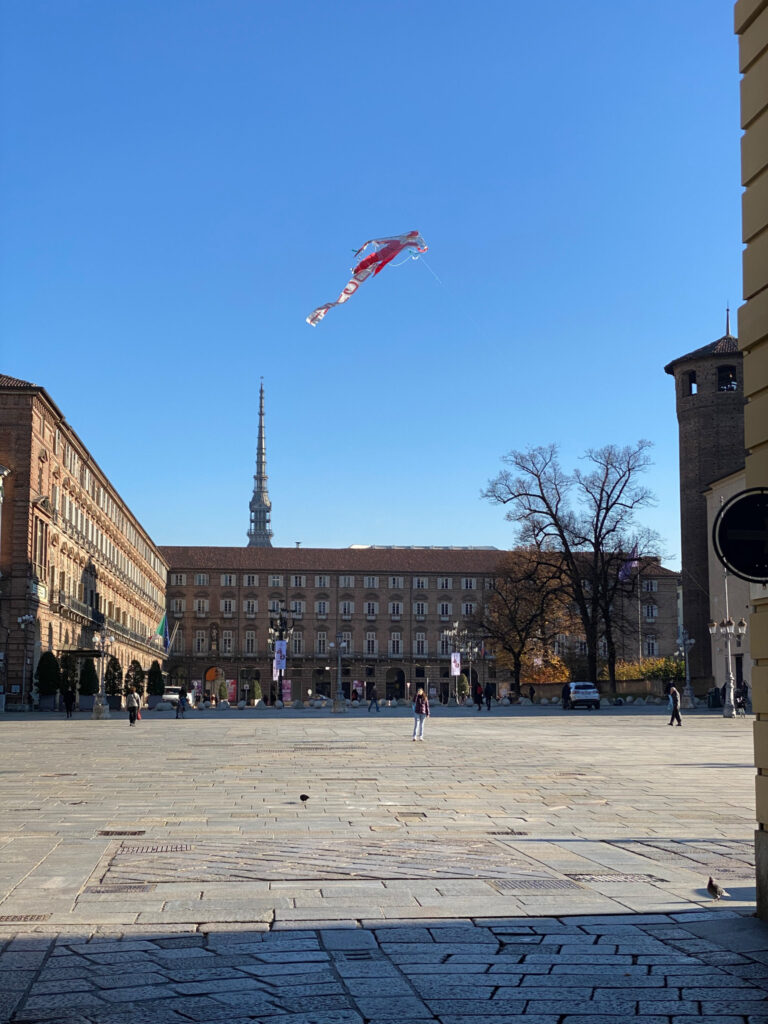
14 382
725 346
351 560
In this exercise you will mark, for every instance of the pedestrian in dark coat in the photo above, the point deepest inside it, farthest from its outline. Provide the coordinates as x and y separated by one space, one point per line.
374 699
69 701
488 692
420 713
674 695
479 697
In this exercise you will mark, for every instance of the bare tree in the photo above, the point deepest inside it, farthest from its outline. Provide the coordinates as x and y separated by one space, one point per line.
581 517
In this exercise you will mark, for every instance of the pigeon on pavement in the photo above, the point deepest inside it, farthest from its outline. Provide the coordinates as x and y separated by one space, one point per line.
715 890
303 797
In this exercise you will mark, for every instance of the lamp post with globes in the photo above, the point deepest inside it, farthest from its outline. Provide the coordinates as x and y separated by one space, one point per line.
24 621
280 628
102 643
728 629
339 701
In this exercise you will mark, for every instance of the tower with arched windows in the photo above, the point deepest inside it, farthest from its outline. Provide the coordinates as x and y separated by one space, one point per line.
709 391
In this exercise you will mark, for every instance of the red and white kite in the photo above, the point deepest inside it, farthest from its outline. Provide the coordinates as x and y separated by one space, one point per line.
384 251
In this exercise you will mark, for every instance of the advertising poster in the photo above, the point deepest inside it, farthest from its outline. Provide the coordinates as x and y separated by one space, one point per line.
281 647
286 691
232 691
197 686
359 685
456 663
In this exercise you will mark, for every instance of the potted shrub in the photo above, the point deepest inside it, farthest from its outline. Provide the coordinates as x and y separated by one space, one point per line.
89 684
155 684
113 684
48 676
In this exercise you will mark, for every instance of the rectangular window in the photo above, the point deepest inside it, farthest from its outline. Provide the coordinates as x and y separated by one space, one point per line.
347 581
444 608
201 641
650 586
250 641
651 612
251 580
201 579
226 641
321 643
321 581
201 605
250 606
370 643
372 582
395 582
469 583
178 604
177 647
420 644
273 606
298 581
467 609
227 606
395 609
178 579
228 579
346 643
275 581
444 583
419 582
444 643
298 608
420 608
347 609
321 607
649 644
582 646
394 643
371 608
297 643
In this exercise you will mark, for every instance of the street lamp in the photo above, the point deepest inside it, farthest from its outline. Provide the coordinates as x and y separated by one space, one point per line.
684 647
464 643
102 643
24 621
339 702
728 629
280 628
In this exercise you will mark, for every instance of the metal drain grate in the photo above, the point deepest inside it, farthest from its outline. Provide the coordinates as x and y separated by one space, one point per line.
135 851
357 954
613 876
120 832
507 832
531 884
22 918
107 889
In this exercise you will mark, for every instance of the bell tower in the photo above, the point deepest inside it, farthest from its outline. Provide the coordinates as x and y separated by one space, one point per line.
260 530
709 390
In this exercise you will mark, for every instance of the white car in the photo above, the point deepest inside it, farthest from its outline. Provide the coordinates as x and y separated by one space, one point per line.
171 695
585 695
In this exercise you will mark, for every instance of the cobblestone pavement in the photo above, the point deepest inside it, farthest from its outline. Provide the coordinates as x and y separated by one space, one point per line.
527 864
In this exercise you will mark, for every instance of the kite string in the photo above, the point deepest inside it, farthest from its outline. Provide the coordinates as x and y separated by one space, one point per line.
431 271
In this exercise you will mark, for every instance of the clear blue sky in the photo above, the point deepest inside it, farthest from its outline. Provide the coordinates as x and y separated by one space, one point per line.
183 181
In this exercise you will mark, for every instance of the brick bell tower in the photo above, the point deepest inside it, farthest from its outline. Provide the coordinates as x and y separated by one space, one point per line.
709 390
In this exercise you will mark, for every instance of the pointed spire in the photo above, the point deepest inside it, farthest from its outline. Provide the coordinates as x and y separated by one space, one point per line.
260 530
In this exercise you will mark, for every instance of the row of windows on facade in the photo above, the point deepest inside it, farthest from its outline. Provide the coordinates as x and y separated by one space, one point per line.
227 579
250 606
202 643
562 646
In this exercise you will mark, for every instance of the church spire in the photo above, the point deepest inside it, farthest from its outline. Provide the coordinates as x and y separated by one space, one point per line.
260 531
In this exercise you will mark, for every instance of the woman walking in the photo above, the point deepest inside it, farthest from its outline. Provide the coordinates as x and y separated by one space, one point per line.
420 712
133 705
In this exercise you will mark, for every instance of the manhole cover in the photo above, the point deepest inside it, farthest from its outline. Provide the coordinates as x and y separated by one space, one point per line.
531 884
135 851
22 918
120 832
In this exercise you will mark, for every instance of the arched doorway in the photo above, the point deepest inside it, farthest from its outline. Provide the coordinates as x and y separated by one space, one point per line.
395 683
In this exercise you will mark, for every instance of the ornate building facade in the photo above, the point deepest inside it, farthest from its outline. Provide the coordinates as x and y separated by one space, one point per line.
73 558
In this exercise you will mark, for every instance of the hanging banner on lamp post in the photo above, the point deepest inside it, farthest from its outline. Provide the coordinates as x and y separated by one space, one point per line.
456 663
281 650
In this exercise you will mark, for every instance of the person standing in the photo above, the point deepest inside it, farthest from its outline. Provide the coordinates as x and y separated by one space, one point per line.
674 696
531 692
420 712
374 699
488 693
181 703
479 696
133 705
69 701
